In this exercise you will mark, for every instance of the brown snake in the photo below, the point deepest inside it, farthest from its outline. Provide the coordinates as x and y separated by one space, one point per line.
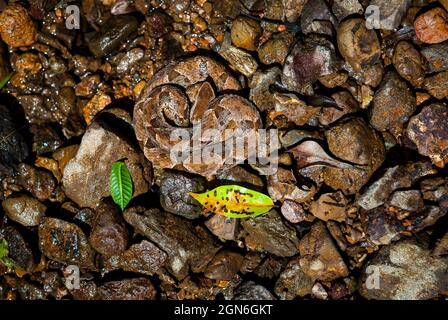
182 95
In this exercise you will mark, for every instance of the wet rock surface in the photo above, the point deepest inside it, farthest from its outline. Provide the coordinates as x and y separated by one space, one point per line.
16 26
174 197
293 282
109 235
143 257
431 26
354 90
393 104
433 142
370 155
252 291
20 249
128 289
112 34
391 12
40 183
358 45
13 147
24 209
269 233
405 271
224 265
65 242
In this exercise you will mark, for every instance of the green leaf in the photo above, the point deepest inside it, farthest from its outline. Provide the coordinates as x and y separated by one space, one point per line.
120 184
5 80
234 201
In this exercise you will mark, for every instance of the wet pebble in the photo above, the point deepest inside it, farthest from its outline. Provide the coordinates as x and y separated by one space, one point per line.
358 45
397 177
260 84
437 85
114 33
432 26
441 247
241 175
64 155
393 104
319 257
409 63
97 103
293 282
17 29
40 183
276 48
345 8
307 62
158 23
174 194
330 206
366 149
222 227
270 267
292 9
436 57
269 233
429 132
409 200
405 270
251 291
283 186
143 257
128 289
239 59
294 212
45 139
224 265
346 103
86 176
318 291
245 33
65 242
316 17
13 146
391 13
186 246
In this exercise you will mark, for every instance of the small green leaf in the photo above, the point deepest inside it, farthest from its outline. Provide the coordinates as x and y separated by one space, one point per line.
120 184
5 80
4 250
234 201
